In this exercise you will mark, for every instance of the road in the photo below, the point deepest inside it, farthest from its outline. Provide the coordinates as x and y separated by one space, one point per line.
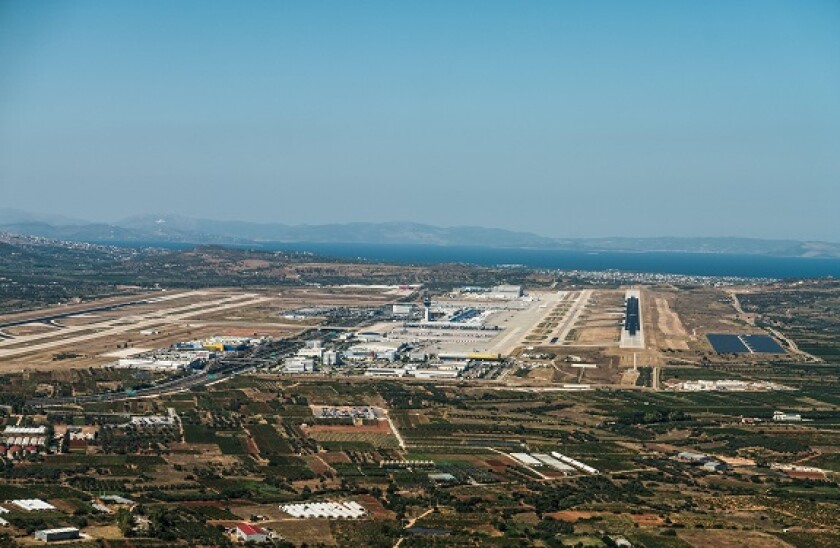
169 387
736 304
411 523
217 371
396 432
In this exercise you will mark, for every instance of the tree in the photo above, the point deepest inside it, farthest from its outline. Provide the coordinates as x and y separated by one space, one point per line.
125 521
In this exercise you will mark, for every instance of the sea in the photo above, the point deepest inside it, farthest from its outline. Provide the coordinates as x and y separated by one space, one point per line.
690 264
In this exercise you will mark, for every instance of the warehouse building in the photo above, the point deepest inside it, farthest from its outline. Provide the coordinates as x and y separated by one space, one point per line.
575 463
386 372
51 535
160 361
331 357
436 373
25 430
298 364
548 460
329 510
781 416
374 351
526 459
715 466
402 309
116 499
506 292
311 352
33 505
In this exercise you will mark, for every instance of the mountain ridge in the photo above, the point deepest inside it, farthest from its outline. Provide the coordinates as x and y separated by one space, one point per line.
177 229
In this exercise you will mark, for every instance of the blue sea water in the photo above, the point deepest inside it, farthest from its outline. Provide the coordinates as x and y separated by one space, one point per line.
693 264
697 264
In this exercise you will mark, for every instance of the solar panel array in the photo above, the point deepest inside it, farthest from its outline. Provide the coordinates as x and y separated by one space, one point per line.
763 343
744 344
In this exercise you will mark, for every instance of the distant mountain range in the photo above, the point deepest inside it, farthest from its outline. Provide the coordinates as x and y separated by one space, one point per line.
172 229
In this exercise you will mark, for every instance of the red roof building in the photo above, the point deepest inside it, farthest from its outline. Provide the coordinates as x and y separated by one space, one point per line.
251 533
77 445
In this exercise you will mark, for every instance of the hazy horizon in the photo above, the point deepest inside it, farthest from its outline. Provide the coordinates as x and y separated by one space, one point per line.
562 119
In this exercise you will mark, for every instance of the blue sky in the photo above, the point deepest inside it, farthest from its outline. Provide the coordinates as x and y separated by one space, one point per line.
579 119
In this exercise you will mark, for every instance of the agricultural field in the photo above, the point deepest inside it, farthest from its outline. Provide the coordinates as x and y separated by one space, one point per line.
225 464
468 461
807 313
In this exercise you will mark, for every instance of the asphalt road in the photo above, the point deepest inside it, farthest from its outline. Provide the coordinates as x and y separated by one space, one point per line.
214 372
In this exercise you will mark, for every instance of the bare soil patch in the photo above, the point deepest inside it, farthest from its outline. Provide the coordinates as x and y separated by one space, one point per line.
730 539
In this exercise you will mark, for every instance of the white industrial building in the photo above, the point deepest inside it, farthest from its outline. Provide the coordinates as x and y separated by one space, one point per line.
26 441
298 364
715 466
386 372
548 460
436 373
64 533
572 462
33 505
402 309
369 336
331 357
25 430
311 352
725 385
81 432
25 436
373 351
161 361
116 499
329 510
506 292
526 459
781 416
153 421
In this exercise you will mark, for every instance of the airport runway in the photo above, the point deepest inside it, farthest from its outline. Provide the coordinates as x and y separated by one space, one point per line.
115 326
571 318
636 341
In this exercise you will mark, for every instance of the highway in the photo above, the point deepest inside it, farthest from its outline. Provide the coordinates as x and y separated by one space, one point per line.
216 371
200 378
